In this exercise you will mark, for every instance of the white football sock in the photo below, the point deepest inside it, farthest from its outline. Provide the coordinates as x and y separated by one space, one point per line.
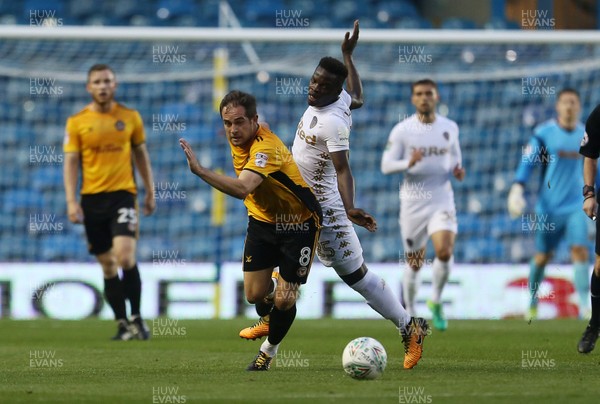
441 270
409 289
268 348
382 299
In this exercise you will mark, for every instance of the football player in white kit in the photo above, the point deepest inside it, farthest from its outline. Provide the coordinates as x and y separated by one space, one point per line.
425 148
320 150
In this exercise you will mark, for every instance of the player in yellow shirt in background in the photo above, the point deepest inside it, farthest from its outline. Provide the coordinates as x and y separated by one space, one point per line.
284 215
103 140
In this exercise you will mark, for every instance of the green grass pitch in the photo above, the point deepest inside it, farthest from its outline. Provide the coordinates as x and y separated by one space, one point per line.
503 361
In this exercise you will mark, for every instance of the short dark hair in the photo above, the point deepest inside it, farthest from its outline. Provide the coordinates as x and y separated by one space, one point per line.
428 82
239 98
568 90
99 67
335 67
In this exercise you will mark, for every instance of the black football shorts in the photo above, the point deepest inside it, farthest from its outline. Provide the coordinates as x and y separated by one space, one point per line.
291 248
107 215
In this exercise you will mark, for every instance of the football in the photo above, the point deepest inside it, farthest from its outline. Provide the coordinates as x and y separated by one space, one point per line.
364 358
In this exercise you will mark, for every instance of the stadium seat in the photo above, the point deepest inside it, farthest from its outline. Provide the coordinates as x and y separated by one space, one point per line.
413 23
458 23
125 9
24 200
82 9
346 11
9 7
484 250
61 247
176 8
149 247
398 10
263 8
35 9
497 23
48 178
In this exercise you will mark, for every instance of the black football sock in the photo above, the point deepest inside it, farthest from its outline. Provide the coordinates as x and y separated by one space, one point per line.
113 291
595 292
280 323
132 286
263 308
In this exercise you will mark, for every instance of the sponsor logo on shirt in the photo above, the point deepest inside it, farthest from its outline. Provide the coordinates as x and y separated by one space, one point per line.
260 159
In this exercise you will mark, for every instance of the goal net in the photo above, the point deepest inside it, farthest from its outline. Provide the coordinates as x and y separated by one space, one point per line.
496 85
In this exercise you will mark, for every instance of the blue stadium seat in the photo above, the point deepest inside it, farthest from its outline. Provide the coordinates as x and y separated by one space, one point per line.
21 200
62 246
180 112
469 223
485 250
413 23
82 9
9 7
321 22
503 226
39 9
196 249
207 12
12 134
346 11
18 248
47 178
398 10
125 9
176 8
501 23
263 9
150 248
458 23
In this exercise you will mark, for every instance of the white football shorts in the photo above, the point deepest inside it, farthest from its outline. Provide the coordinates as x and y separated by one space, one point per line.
416 230
338 245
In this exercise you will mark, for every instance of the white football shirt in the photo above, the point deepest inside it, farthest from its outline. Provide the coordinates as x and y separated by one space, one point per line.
426 185
323 130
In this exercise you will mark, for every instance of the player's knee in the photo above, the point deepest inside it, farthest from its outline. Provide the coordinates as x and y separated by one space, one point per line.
252 296
415 266
110 271
541 260
255 293
285 297
108 262
579 254
126 261
444 254
414 259
286 303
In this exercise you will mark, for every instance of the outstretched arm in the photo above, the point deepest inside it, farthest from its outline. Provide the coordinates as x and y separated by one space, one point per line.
239 187
353 83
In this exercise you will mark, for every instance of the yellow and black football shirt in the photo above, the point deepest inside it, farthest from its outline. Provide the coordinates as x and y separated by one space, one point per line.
104 141
283 194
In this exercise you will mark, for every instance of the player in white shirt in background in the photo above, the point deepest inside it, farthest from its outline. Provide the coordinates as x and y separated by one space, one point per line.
425 148
321 151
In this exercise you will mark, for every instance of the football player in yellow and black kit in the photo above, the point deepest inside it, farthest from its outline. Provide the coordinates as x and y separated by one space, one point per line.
284 215
105 139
